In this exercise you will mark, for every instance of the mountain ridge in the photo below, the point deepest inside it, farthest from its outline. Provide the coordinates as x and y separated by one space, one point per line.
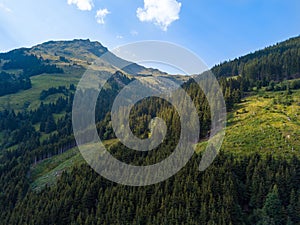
282 58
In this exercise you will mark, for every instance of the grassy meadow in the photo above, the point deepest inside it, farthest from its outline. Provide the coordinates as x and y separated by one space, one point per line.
268 122
30 98
48 171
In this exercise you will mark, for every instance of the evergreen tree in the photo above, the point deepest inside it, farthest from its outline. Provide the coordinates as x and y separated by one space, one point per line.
50 124
272 212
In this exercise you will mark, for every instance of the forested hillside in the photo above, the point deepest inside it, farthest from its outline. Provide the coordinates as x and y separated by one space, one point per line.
16 69
275 63
254 180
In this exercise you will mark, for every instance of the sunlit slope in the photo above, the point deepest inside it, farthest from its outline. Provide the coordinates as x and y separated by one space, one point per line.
74 58
30 99
265 123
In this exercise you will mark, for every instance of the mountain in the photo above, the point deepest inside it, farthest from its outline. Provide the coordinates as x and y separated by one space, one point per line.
85 52
26 71
255 179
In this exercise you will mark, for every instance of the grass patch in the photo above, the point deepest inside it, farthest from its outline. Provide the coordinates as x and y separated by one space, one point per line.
49 170
31 98
260 124
58 116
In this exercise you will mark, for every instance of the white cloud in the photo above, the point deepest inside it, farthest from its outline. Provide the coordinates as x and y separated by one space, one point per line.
119 37
82 4
5 8
101 14
161 12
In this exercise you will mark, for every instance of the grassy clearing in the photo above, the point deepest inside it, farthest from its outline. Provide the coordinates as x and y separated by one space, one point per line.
45 136
30 98
48 171
263 124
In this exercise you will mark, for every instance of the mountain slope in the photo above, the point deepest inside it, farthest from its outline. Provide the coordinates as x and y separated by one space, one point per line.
63 63
256 173
267 123
84 53
277 62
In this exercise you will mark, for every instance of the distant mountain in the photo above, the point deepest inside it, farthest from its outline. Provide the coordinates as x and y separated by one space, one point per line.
70 58
85 52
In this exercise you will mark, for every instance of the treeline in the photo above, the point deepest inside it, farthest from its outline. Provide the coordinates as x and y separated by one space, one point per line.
147 109
10 83
275 63
29 63
21 146
18 127
246 190
59 90
283 86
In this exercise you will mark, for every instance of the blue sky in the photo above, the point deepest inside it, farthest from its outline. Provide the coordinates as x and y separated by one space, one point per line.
216 30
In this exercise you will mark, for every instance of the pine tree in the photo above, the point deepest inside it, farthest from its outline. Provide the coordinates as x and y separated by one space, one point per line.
42 126
293 208
272 212
50 124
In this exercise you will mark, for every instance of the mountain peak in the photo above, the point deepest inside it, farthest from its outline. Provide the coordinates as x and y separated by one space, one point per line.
77 48
86 42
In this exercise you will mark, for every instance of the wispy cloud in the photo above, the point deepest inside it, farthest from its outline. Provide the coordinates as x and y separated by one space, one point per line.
5 8
85 5
134 33
160 12
101 14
